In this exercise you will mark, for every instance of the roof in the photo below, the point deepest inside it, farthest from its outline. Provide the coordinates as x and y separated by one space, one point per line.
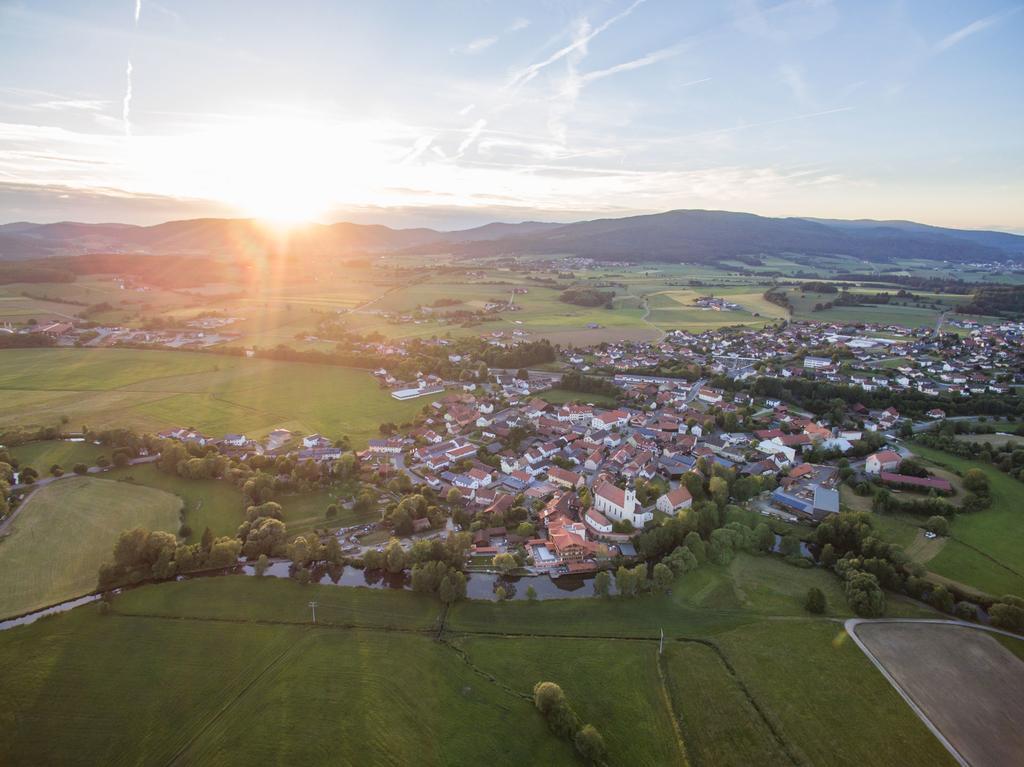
612 493
678 496
884 456
936 483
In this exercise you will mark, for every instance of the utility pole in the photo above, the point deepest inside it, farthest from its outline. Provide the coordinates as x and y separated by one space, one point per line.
313 607
661 642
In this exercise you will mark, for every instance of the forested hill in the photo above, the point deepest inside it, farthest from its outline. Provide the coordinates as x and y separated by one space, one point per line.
678 236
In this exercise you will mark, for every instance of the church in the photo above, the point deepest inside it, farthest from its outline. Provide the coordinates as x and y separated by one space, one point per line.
618 504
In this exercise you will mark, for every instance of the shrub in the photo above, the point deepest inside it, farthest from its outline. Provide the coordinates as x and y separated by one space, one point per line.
815 601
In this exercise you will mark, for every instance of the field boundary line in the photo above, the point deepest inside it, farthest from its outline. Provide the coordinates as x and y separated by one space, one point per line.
234 699
673 711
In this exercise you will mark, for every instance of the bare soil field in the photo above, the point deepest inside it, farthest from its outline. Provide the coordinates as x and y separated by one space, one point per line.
963 679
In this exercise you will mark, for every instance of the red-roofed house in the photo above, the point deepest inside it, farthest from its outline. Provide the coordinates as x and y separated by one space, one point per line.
884 460
674 501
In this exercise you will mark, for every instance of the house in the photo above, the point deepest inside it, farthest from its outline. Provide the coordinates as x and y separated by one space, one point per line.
674 501
235 440
711 396
316 440
392 445
597 522
884 460
814 363
936 413
565 478
620 504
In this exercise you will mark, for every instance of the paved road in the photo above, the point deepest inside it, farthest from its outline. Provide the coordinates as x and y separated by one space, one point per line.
43 481
926 425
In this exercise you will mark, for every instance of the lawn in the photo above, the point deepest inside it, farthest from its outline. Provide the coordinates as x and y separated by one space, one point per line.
987 550
209 503
42 455
66 530
149 390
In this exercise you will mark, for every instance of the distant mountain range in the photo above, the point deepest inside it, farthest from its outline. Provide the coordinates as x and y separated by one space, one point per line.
678 236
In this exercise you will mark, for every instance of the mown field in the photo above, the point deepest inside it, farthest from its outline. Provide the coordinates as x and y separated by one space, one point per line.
66 530
986 549
230 670
41 456
152 390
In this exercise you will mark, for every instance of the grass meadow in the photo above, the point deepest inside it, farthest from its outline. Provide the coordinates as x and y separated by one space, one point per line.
986 550
242 675
66 530
149 390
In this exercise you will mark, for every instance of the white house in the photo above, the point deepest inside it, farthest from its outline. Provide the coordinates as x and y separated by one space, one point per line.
621 505
884 460
674 501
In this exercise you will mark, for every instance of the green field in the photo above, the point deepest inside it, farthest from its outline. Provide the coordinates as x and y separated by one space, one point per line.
230 670
42 455
209 503
66 530
152 390
987 548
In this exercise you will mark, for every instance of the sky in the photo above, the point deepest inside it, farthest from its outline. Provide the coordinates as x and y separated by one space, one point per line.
453 113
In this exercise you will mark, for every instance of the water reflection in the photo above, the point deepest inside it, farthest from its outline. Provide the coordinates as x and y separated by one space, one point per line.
478 585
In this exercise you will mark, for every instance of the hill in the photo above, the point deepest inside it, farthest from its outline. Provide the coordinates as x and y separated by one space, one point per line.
678 236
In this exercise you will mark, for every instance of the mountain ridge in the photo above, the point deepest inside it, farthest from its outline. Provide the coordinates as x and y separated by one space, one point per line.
676 236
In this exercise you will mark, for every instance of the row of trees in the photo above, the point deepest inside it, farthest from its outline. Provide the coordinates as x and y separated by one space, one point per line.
550 700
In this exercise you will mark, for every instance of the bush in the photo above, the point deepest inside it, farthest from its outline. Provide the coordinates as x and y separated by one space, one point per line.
80 469
815 601
184 531
590 745
938 525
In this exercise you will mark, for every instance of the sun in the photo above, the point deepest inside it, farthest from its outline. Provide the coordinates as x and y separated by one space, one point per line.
282 172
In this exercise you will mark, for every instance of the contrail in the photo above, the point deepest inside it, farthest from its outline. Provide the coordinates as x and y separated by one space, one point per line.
126 105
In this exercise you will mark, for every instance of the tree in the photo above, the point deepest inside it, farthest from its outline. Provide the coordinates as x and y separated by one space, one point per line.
394 556
531 593
590 745
625 582
790 546
764 538
695 543
262 563
504 563
815 601
662 577
976 481
864 594
938 525
602 583
80 469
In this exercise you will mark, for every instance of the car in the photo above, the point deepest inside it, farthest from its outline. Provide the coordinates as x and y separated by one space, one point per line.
929 535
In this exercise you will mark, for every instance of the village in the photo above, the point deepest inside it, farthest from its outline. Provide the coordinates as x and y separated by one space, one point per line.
566 487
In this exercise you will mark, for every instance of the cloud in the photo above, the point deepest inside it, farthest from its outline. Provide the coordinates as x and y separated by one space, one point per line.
138 10
793 77
579 42
979 25
59 105
126 104
474 133
476 46
627 66
466 109
519 25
